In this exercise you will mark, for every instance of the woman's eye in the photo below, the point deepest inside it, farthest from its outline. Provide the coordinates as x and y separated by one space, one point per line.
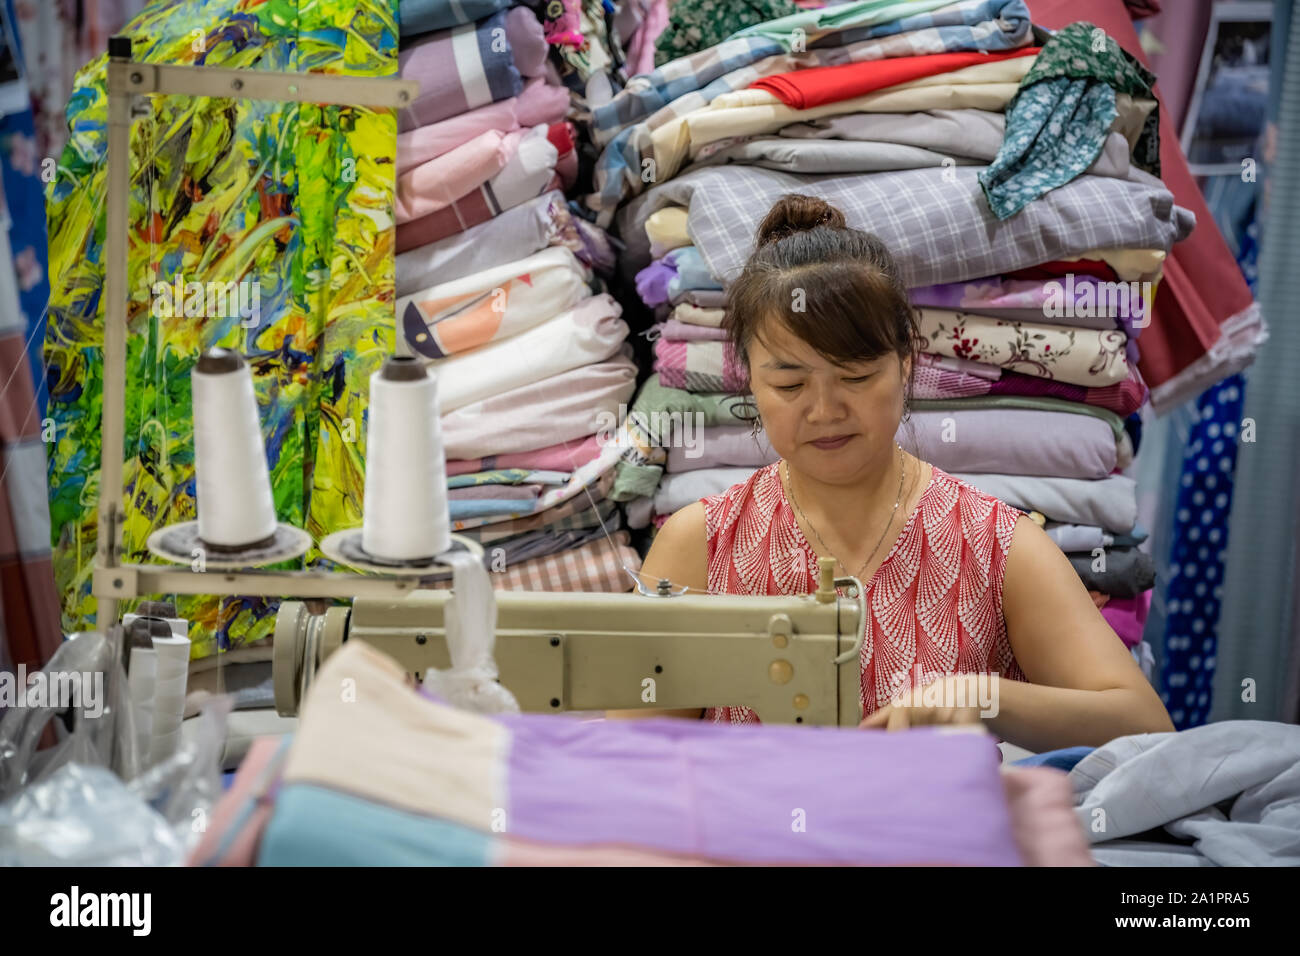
786 388
860 378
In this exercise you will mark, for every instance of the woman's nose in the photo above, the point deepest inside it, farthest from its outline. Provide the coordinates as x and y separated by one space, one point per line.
826 404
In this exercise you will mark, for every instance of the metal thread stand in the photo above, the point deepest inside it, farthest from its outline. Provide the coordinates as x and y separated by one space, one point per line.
114 581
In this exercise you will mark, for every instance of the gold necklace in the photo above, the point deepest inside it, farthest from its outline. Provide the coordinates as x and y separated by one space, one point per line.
899 500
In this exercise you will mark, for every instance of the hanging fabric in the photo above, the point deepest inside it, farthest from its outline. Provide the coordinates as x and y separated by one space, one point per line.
292 203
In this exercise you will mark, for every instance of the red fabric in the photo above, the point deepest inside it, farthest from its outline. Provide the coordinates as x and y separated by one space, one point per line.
29 600
1060 269
935 601
1202 286
804 89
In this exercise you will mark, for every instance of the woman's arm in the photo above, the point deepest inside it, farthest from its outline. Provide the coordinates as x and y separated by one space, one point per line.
679 553
1085 688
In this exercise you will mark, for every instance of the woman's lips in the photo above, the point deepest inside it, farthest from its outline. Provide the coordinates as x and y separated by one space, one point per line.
828 444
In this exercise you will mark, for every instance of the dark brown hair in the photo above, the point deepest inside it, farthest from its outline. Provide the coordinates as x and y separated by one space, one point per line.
854 306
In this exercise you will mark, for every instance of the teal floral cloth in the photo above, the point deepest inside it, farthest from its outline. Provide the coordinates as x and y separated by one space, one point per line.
1058 121
694 25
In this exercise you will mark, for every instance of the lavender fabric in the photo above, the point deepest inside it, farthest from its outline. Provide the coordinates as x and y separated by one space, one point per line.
527 41
652 282
1011 441
680 786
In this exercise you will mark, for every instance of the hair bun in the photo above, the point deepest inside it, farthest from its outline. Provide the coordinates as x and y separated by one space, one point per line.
797 213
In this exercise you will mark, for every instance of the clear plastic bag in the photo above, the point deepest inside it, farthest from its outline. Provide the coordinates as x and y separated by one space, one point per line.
81 802
101 736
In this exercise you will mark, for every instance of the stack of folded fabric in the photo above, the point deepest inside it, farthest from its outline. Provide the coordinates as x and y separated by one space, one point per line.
500 285
1015 180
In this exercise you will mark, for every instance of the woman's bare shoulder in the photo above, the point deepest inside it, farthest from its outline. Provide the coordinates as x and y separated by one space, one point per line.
680 550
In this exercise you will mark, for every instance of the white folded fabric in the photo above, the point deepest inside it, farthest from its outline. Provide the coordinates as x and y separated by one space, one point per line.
590 332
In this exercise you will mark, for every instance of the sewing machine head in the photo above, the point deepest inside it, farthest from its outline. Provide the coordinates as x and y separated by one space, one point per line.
791 658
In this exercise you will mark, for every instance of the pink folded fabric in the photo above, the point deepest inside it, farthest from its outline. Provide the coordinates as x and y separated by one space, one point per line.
527 174
581 402
1043 822
676 331
439 182
562 456
698 366
539 103
235 827
1128 617
935 382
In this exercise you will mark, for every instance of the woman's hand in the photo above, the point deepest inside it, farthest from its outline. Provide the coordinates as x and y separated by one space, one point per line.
908 709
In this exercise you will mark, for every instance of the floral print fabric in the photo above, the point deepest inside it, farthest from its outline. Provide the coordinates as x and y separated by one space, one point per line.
1087 357
1059 119
694 25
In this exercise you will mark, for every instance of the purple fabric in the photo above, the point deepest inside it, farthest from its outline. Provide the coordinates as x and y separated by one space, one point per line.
685 332
527 41
1011 441
652 282
843 796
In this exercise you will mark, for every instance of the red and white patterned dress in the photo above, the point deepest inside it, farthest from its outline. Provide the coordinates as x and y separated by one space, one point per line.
934 604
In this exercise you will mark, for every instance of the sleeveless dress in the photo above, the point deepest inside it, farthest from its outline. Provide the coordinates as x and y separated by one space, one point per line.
934 604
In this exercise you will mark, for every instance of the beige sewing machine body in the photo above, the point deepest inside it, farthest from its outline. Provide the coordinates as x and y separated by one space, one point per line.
792 659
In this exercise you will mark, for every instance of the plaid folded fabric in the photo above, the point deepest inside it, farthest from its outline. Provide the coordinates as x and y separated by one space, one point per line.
600 565
691 83
577 512
934 221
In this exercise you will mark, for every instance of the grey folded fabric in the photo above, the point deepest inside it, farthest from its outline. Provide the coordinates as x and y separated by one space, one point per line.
1109 503
1119 572
1230 791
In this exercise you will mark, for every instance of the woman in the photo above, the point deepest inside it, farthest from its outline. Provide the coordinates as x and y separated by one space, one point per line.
957 581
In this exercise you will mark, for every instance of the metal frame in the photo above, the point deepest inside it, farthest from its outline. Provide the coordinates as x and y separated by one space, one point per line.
114 581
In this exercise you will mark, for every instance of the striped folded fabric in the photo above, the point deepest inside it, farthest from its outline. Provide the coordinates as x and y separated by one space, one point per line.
458 69
390 776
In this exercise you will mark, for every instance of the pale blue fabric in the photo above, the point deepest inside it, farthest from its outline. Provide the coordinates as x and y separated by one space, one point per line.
316 826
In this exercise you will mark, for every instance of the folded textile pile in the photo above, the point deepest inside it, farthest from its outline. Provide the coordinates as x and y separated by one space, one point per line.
399 778
500 286
1033 260
843 90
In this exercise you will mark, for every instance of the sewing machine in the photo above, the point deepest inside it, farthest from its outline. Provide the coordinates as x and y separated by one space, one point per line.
792 659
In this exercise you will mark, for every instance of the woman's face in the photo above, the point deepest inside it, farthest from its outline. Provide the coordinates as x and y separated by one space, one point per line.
829 421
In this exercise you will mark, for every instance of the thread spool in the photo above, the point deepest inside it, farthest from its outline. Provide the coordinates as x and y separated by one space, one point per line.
406 519
232 479
171 674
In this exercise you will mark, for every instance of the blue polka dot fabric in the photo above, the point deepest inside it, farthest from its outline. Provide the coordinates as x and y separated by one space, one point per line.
1200 540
